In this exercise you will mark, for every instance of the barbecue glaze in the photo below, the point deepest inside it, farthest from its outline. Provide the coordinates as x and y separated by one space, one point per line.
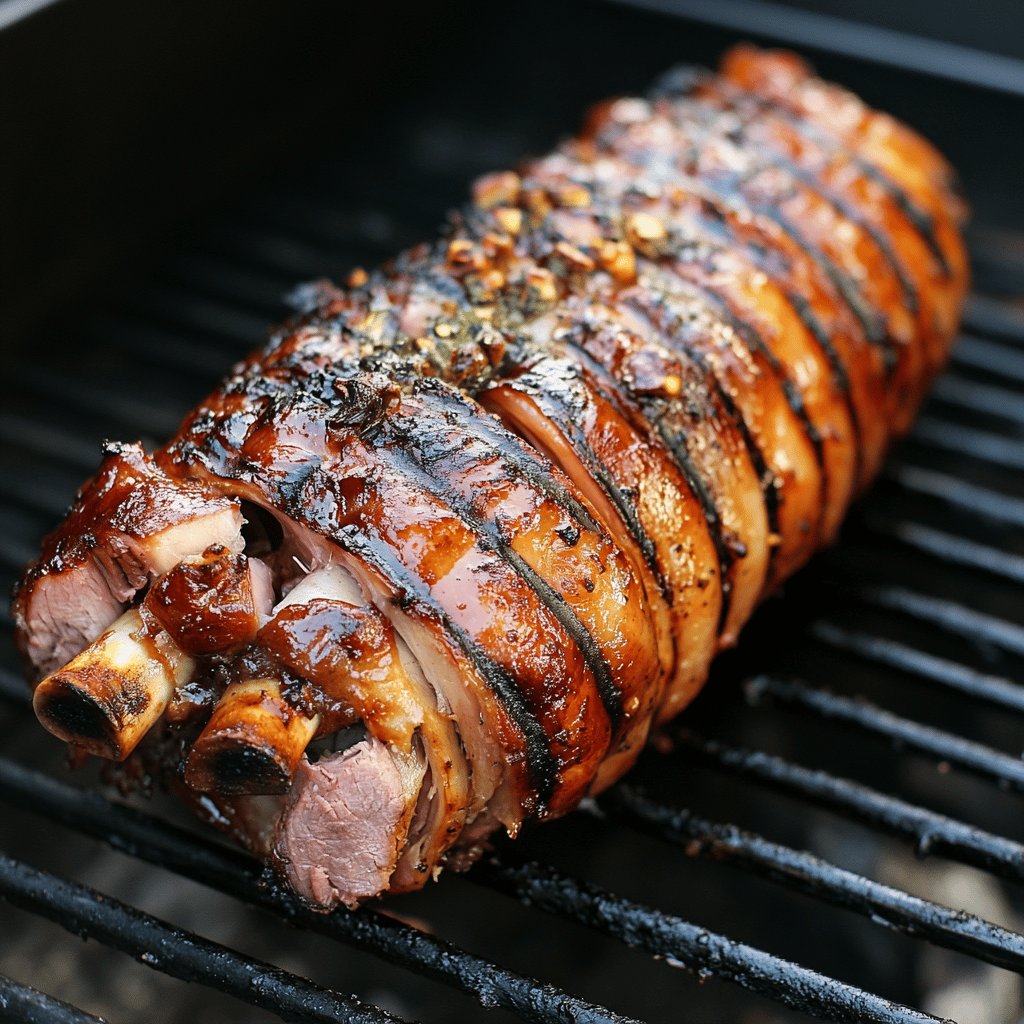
506 497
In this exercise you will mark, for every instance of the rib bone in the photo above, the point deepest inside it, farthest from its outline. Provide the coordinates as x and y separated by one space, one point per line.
109 696
252 743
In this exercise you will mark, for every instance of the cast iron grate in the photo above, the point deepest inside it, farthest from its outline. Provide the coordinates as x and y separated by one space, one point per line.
918 595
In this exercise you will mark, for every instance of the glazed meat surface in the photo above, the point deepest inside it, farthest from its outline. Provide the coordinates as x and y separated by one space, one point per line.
438 557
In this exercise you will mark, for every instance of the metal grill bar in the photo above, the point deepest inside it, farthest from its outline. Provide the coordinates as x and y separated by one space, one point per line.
979 501
951 548
993 317
231 872
930 832
979 444
93 915
961 678
944 746
854 39
100 399
954 389
818 878
29 1006
949 616
992 356
683 944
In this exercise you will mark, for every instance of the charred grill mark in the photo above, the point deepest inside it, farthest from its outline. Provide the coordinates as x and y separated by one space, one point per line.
676 444
415 462
647 410
907 286
794 400
716 224
871 320
920 220
526 465
541 765
559 409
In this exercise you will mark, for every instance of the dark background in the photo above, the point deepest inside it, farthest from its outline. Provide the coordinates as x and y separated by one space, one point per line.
169 169
125 126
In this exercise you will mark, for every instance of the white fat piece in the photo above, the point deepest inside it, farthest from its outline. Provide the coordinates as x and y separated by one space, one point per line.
330 582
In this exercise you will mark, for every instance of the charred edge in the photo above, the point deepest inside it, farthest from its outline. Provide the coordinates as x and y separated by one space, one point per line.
674 335
542 768
920 220
526 465
240 769
870 320
489 533
756 343
840 376
676 445
646 410
76 715
910 292
718 225
561 415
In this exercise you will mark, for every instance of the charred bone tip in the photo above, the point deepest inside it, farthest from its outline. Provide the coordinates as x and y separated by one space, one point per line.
112 693
252 743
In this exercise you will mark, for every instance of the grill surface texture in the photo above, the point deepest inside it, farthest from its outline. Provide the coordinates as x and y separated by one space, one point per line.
809 830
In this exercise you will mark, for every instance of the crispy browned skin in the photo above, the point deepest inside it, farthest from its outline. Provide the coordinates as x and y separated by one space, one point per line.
546 468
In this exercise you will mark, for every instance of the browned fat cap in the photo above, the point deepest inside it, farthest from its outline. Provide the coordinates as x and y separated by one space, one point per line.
213 602
254 740
109 696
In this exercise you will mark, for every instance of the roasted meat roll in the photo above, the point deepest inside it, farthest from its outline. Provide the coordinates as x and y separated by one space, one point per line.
436 558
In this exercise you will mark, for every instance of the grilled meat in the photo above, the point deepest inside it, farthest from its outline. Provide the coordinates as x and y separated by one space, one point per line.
436 558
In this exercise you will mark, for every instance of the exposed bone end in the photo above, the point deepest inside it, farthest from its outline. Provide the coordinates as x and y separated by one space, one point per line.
252 743
108 697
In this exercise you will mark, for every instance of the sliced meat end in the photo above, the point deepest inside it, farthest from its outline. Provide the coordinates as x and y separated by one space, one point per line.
346 822
130 523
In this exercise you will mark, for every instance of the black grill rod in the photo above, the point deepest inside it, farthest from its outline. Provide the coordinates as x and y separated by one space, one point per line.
995 357
987 315
15 554
921 664
230 871
930 832
978 502
871 43
24 1005
230 323
983 445
944 746
991 400
13 688
93 915
156 418
203 273
950 548
683 944
947 615
200 359
893 908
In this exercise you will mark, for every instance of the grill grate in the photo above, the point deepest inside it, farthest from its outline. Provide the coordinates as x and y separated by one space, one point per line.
898 641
